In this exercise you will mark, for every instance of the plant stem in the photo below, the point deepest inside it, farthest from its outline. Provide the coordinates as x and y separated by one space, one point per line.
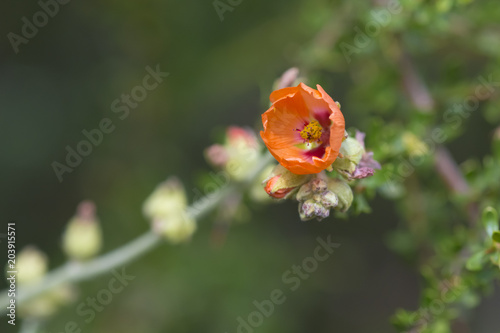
30 325
81 271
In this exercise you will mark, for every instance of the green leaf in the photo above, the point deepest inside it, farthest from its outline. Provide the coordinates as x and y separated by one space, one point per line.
496 236
475 262
490 220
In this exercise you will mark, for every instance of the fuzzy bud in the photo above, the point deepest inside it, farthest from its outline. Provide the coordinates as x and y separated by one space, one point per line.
354 162
31 265
238 155
316 199
310 209
166 209
82 238
282 183
352 151
343 192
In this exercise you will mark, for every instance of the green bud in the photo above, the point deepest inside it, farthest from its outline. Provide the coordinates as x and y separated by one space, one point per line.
48 303
31 265
168 197
351 152
82 238
166 209
343 192
305 192
177 228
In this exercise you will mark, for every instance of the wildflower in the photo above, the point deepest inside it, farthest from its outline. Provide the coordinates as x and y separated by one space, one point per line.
303 129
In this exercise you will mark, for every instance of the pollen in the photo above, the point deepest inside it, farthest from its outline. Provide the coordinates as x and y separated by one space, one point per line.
312 131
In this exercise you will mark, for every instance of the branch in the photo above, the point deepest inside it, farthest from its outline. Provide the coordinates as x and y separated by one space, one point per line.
415 87
80 271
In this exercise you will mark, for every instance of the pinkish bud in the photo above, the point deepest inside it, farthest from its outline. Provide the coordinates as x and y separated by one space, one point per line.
282 183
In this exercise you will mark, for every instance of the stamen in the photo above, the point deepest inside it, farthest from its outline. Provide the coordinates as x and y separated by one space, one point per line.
312 132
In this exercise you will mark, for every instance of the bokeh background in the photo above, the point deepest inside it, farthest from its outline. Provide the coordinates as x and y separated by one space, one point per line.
221 73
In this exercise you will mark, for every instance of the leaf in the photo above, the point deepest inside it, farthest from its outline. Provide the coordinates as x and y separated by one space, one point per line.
490 220
475 262
496 236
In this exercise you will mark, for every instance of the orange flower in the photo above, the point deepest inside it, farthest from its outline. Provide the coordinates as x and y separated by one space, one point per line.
303 129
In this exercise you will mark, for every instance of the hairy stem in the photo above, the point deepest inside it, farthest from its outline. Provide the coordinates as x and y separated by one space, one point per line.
80 271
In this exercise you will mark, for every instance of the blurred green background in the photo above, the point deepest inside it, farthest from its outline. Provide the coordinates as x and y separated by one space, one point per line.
65 78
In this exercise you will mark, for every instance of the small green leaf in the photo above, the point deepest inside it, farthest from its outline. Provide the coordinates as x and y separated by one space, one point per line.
496 236
490 220
475 262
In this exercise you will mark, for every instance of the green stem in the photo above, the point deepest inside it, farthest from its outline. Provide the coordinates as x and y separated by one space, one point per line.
30 325
80 271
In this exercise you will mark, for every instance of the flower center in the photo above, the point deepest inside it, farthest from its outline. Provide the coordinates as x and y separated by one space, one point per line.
312 132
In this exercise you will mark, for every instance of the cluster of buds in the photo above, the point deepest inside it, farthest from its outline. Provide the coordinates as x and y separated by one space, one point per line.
31 265
166 209
82 238
239 154
318 193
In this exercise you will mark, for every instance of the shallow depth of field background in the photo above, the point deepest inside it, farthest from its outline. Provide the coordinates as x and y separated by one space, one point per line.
65 79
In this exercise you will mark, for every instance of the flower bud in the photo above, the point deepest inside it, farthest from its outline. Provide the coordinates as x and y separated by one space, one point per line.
342 191
168 197
177 228
355 162
287 79
82 238
283 183
48 303
255 192
318 185
316 199
31 265
329 199
239 154
166 209
352 151
305 192
310 209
